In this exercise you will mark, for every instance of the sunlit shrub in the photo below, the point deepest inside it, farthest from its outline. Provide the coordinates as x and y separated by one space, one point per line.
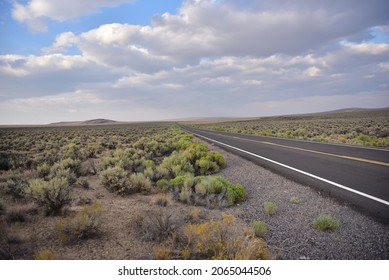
43 170
59 171
233 193
139 183
53 195
71 150
115 179
175 165
223 240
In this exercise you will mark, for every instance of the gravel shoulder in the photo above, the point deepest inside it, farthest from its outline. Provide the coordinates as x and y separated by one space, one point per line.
291 234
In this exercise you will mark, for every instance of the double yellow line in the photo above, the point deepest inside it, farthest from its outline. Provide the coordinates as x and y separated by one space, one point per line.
313 151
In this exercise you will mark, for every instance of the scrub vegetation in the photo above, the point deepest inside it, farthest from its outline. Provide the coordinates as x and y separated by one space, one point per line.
356 127
149 189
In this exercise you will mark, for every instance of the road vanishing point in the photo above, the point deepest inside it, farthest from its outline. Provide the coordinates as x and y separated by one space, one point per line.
353 174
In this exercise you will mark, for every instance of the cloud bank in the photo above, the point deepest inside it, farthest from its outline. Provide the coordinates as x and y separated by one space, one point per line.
211 58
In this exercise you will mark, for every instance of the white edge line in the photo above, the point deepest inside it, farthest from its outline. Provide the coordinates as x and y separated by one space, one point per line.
300 171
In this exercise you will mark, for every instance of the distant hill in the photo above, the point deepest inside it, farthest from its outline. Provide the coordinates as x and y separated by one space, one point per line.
99 121
87 122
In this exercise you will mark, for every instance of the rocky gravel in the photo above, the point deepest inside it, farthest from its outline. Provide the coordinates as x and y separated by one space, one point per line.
291 234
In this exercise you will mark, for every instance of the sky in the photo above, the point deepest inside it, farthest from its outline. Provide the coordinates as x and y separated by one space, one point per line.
144 60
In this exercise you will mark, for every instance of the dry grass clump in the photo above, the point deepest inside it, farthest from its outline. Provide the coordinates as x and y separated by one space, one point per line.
260 228
158 225
45 255
162 253
162 199
85 224
222 239
270 207
294 200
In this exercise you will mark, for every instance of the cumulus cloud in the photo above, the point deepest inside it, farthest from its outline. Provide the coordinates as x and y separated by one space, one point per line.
212 58
36 12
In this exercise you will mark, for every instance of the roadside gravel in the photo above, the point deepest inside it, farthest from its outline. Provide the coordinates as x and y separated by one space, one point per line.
291 234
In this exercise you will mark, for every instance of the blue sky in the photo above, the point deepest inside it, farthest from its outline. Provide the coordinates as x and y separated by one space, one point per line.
150 60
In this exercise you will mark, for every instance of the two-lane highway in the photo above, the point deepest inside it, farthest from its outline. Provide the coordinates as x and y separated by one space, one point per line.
355 174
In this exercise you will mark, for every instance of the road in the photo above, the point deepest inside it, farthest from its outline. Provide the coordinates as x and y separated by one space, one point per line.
356 175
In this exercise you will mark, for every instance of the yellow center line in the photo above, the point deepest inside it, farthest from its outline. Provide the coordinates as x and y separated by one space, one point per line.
313 151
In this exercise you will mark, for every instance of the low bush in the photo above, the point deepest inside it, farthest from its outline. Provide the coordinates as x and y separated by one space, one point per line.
216 185
115 179
222 239
326 223
157 225
14 184
53 195
175 165
59 171
209 164
259 227
139 183
46 255
294 200
163 185
43 170
162 253
270 207
85 224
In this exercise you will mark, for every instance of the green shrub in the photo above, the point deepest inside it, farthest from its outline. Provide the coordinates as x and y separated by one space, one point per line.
139 183
195 152
85 224
326 223
43 170
163 184
177 182
206 166
115 179
71 151
58 170
14 184
175 165
53 195
234 193
259 227
270 207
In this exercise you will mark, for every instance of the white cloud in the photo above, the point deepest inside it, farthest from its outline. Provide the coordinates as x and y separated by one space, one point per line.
212 58
36 12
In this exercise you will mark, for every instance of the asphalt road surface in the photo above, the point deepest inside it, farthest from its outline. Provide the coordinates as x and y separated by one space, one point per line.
355 175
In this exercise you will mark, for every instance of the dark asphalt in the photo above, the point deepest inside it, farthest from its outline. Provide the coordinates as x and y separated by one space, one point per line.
365 170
